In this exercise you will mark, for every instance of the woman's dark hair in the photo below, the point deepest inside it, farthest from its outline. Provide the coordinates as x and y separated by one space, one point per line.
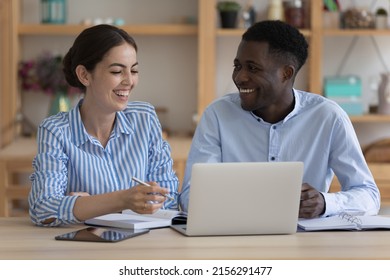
90 47
285 41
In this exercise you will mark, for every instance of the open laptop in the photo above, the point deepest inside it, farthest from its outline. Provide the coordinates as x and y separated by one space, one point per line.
243 198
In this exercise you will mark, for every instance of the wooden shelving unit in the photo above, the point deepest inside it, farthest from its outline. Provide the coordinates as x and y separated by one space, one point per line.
74 29
371 118
206 32
355 32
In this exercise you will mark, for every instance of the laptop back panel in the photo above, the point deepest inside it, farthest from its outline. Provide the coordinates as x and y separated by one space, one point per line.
244 198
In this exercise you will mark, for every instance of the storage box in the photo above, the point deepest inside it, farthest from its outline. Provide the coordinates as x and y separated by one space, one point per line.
343 86
347 92
352 106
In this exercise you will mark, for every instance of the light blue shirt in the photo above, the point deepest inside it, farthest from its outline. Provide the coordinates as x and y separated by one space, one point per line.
317 132
70 160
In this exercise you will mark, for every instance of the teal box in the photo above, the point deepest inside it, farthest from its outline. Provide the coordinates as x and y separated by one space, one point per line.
343 86
352 106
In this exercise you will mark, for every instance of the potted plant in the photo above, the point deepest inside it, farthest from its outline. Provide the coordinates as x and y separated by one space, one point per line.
44 74
228 11
381 18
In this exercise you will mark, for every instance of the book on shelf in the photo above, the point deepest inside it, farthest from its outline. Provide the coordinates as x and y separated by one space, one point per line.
345 221
133 220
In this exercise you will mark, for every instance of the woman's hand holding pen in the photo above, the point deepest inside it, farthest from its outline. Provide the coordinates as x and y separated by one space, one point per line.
146 199
312 202
141 199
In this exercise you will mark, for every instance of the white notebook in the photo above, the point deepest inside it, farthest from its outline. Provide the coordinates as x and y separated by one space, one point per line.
345 222
132 220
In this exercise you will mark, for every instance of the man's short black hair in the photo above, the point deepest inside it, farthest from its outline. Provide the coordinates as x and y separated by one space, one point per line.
284 40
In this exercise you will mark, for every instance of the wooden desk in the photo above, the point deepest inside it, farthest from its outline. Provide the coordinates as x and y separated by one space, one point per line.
19 239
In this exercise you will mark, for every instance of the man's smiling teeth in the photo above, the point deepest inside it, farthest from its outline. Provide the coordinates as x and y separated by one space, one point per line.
246 90
122 92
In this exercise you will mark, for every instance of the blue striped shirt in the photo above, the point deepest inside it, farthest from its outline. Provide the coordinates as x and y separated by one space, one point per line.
70 160
317 132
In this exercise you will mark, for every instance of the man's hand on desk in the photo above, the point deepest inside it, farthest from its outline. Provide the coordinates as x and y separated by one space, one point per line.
312 202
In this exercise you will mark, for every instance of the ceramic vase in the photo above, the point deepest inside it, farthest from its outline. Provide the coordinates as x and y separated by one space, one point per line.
60 103
384 94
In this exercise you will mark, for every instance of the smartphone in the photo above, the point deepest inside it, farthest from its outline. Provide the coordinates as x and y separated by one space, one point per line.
101 234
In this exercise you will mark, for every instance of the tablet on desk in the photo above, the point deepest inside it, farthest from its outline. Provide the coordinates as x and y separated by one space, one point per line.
101 234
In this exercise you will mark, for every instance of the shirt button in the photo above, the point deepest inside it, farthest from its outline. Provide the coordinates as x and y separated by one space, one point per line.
272 158
274 127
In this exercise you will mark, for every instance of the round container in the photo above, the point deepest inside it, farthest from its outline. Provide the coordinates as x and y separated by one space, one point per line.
358 18
294 13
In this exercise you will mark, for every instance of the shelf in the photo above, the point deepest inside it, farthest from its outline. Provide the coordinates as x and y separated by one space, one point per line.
356 32
371 118
137 29
240 31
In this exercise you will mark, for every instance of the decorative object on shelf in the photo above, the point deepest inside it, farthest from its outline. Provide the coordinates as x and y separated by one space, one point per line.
119 21
378 151
331 5
53 11
228 11
275 10
60 103
331 14
44 74
331 20
96 21
384 94
249 15
381 19
294 13
346 91
358 18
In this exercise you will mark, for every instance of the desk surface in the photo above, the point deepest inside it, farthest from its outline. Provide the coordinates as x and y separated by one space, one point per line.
19 239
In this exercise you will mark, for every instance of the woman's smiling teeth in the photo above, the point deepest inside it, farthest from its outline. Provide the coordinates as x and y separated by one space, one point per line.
123 93
247 90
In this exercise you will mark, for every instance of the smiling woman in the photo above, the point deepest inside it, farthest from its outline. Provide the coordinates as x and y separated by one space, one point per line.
109 85
87 157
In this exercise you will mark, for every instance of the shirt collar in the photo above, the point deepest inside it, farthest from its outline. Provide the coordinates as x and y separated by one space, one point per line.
297 106
123 124
79 133
296 110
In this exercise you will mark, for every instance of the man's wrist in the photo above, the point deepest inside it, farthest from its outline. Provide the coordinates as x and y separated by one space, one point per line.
324 205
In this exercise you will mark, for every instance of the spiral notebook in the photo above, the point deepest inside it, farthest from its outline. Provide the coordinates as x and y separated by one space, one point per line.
345 221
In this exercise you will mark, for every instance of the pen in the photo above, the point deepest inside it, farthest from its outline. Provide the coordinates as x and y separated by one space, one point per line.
147 185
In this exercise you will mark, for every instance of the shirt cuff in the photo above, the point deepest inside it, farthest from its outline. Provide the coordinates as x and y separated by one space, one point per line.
330 204
66 212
